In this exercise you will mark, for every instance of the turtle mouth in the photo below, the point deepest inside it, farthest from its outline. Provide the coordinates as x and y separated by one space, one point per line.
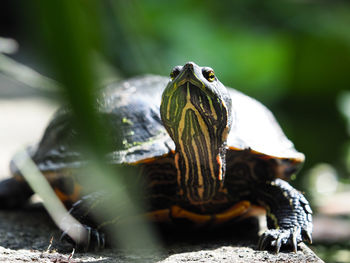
188 75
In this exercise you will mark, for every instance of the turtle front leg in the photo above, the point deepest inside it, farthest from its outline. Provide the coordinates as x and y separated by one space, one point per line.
289 216
93 238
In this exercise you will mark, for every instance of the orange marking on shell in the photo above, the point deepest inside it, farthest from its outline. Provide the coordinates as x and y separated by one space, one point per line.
162 215
178 212
237 210
254 211
72 197
152 159
266 156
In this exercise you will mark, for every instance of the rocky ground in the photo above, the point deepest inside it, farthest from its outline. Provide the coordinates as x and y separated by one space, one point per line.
25 237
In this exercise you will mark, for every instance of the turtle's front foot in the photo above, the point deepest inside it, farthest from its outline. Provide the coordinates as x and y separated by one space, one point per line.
289 217
277 238
82 234
89 238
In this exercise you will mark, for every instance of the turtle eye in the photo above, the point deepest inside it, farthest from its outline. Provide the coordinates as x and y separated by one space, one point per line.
208 73
175 72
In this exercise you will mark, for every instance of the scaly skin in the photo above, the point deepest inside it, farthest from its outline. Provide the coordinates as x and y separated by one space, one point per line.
289 216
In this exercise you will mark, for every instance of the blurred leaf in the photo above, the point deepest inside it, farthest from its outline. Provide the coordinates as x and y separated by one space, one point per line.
52 204
8 45
68 29
27 76
344 107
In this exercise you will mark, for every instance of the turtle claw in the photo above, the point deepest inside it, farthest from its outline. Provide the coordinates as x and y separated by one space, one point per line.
279 238
278 244
294 241
93 240
306 234
263 241
73 228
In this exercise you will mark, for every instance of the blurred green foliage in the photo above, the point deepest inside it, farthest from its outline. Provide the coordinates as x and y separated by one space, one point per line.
68 36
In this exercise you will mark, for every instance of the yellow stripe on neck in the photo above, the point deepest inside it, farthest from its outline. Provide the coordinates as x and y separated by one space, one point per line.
204 129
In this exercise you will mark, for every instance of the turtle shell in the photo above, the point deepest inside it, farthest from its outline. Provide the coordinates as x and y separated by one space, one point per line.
136 102
131 108
255 127
132 111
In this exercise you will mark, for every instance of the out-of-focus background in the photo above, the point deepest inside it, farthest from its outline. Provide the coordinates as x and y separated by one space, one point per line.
294 56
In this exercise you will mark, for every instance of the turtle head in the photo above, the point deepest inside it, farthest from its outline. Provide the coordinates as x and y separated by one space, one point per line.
196 111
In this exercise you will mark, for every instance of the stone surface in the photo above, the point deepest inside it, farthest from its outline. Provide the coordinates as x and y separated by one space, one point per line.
25 237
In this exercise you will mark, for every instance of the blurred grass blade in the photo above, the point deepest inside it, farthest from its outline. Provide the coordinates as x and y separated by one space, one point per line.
69 31
53 205
133 231
27 76
343 103
8 45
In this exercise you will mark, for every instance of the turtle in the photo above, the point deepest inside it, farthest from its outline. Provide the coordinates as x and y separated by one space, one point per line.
208 154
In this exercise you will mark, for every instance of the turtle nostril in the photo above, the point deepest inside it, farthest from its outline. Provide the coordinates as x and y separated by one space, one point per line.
189 65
